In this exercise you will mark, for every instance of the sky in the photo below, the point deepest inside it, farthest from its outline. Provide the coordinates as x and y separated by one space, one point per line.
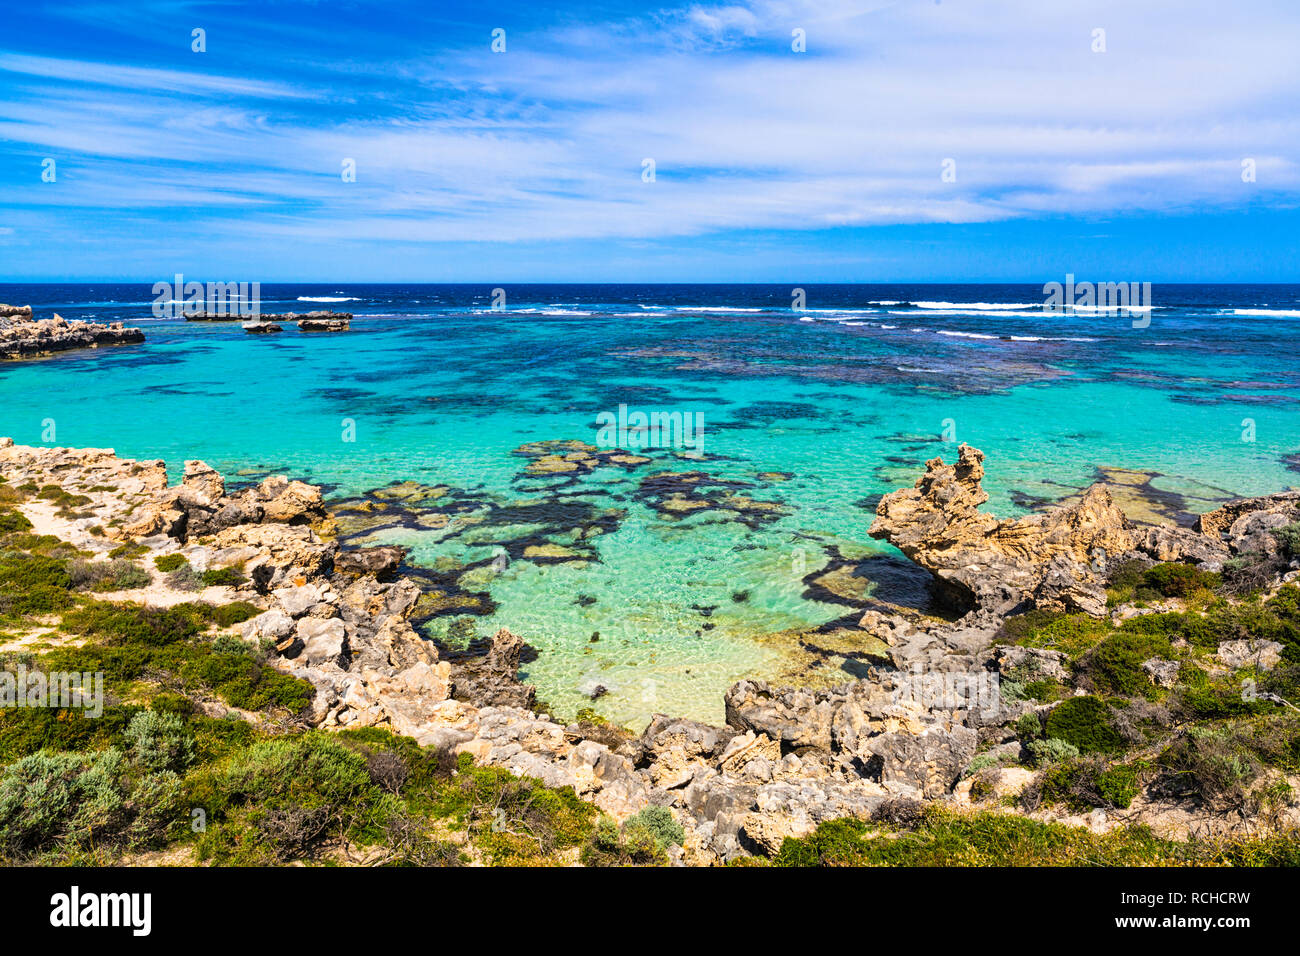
919 140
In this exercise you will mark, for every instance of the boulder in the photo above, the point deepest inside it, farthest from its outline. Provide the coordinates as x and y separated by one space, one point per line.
323 641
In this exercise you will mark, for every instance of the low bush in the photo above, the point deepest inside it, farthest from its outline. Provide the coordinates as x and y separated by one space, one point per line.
1173 579
65 801
1086 723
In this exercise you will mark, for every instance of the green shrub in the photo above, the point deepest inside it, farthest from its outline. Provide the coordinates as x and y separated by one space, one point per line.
278 800
1084 784
132 623
27 730
222 577
113 575
660 824
514 820
63 801
243 681
12 520
32 584
1071 633
1198 697
1115 665
170 562
1288 540
612 845
1086 723
158 741
1051 750
946 838
1173 579
1210 764
1028 726
226 615
184 578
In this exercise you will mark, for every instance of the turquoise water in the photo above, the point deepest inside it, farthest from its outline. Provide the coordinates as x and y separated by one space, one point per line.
808 418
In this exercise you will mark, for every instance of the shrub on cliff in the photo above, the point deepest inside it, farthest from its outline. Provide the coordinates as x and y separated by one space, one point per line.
1050 751
1070 633
1115 665
1288 540
1202 698
131 623
116 574
68 801
243 680
158 741
169 562
947 838
1173 579
1211 765
1087 783
515 819
222 577
32 584
1086 723
28 730
643 839
278 800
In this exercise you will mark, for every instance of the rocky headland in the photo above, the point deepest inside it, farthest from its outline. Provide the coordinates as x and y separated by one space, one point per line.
23 336
1090 672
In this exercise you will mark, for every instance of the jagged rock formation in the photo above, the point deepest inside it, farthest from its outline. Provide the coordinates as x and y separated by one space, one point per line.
1244 524
1050 560
22 336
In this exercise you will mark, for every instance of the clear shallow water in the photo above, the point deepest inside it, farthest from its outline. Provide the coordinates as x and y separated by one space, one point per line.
815 412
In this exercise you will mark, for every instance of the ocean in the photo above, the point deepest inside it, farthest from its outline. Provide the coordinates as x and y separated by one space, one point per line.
452 427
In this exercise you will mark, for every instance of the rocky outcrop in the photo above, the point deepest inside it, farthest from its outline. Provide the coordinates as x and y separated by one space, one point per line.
22 336
1052 560
1246 525
493 680
261 328
324 322
199 506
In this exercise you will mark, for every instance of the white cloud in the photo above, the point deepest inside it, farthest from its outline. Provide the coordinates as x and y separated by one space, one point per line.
546 142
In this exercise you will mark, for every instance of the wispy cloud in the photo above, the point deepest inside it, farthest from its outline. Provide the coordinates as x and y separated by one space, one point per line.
546 142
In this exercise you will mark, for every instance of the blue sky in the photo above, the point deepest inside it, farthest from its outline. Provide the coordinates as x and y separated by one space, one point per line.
770 164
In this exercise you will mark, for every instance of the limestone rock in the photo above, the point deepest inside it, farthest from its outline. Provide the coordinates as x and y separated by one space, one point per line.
1250 653
493 680
1053 559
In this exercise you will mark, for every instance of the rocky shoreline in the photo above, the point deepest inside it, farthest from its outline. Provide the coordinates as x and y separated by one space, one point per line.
23 336
922 727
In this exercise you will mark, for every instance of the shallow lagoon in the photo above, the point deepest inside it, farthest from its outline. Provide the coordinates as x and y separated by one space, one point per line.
692 580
